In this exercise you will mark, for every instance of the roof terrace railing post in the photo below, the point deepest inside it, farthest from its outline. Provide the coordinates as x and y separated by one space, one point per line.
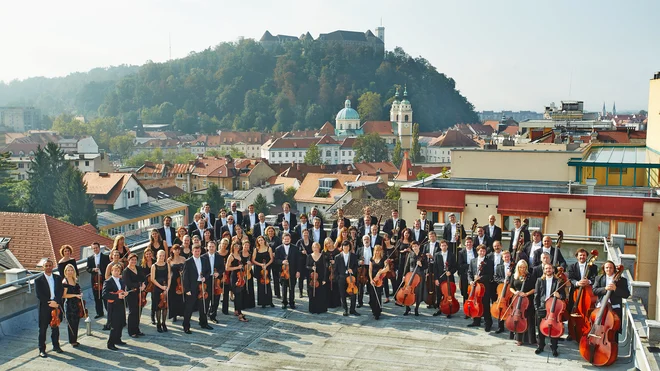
628 262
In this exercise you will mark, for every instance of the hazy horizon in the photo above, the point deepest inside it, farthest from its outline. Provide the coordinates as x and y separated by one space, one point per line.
508 55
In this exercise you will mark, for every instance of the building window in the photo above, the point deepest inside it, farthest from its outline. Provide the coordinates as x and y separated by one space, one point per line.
336 153
21 165
534 222
328 153
280 154
600 228
343 153
286 154
405 118
86 163
629 229
77 163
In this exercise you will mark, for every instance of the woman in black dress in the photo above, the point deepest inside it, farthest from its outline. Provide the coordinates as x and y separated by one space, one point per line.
145 269
208 237
234 266
523 284
333 294
273 242
389 252
134 281
66 251
305 248
246 260
376 263
160 276
156 242
418 263
124 251
175 294
226 282
262 258
186 247
318 302
180 233
403 247
73 296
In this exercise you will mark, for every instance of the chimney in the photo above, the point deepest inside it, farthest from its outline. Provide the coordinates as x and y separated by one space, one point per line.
298 166
591 182
322 166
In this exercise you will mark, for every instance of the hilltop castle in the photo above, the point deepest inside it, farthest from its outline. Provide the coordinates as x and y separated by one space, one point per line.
347 38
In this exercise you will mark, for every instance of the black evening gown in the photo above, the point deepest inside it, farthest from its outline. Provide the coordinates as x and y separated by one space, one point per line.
376 293
248 294
176 304
332 287
239 291
264 292
318 302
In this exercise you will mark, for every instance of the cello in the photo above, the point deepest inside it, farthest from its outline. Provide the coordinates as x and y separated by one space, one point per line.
472 306
499 309
598 346
448 305
583 300
552 325
406 294
516 322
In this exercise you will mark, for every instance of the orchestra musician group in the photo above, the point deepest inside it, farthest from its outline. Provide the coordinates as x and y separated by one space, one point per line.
527 289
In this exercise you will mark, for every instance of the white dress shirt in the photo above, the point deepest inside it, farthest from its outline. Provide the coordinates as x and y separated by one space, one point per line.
116 279
212 260
497 258
253 220
97 260
198 265
346 257
583 269
287 217
367 254
548 287
453 232
535 246
317 235
491 230
470 255
168 236
286 250
51 285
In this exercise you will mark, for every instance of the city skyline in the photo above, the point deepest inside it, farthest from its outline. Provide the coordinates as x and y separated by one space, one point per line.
511 55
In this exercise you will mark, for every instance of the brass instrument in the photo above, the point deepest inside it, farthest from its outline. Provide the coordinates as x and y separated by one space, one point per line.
395 232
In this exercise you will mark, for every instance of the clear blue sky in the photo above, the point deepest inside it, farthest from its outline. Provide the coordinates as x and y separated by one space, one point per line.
503 54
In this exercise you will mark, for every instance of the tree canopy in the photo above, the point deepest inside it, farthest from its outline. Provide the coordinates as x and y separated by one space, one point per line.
313 155
370 148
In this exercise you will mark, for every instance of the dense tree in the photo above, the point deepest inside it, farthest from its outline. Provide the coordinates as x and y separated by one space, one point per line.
369 107
415 153
6 182
313 155
422 174
193 201
260 204
397 155
45 172
393 193
289 193
122 145
157 155
370 148
214 197
71 199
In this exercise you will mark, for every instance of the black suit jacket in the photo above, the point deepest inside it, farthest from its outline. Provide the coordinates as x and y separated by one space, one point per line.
293 258
280 218
486 273
525 233
322 235
539 294
560 258
360 223
246 220
446 233
161 232
575 276
43 291
463 265
347 223
427 225
294 236
439 265
116 306
422 235
486 242
91 264
210 221
389 226
616 297
500 276
238 217
257 230
379 241
497 234
190 276
226 229
298 229
192 227
341 268
218 263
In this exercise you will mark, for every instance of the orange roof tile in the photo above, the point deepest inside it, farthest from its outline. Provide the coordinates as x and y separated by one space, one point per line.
406 173
378 127
104 183
310 185
371 168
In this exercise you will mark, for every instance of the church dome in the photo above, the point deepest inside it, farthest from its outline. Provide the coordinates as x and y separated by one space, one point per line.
347 113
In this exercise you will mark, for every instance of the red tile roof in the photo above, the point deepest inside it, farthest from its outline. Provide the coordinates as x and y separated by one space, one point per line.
611 136
309 186
511 130
303 143
406 173
327 129
371 168
453 138
38 236
378 127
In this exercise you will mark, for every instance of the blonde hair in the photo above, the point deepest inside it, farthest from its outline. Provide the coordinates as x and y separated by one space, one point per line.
378 250
73 269
119 237
521 263
327 241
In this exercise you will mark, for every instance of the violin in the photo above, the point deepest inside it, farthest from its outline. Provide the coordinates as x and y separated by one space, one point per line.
150 287
143 298
381 275
448 305
97 284
55 316
351 288
265 277
285 272
583 301
179 286
473 307
363 279
552 325
202 292
499 309
598 346
217 284
226 278
314 280
391 273
162 303
516 322
248 271
82 309
240 278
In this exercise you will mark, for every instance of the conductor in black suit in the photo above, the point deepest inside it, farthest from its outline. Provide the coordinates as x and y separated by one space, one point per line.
195 271
96 265
238 215
49 291
346 264
287 254
167 232
286 215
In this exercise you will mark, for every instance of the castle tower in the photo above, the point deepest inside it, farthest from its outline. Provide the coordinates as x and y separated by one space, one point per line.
405 121
380 33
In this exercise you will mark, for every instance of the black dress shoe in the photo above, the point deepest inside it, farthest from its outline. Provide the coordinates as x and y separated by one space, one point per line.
187 331
214 320
43 355
407 312
345 314
164 328
263 307
272 305
284 306
134 336
449 316
142 333
467 317
416 312
488 328
112 347
377 317
355 313
473 325
106 328
538 350
437 313
292 306
359 306
207 327
555 353
121 343
226 313
58 350
98 316
499 331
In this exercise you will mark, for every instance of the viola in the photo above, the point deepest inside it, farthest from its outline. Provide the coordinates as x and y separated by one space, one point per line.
55 317
552 325
448 305
499 309
82 309
143 298
473 307
240 278
285 272
583 301
162 303
217 284
179 286
381 276
265 277
406 294
203 294
351 288
598 346
517 322
363 279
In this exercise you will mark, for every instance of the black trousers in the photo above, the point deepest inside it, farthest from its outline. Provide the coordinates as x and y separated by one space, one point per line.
225 298
73 321
193 302
452 246
344 295
99 303
488 318
403 259
289 290
132 304
554 342
276 280
360 294
464 285
213 303
115 335
44 325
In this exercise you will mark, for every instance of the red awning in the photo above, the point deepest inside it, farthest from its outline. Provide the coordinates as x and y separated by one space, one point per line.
441 200
621 208
523 203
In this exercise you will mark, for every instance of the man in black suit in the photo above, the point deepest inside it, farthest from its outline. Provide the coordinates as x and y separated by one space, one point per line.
364 252
220 221
286 228
288 254
493 232
546 287
340 216
580 274
167 232
418 234
426 225
452 233
238 215
192 227
115 292
394 225
317 233
495 258
346 264
195 271
230 227
619 289
465 257
302 225
482 239
366 214
96 265
444 267
518 229
260 228
201 228
314 213
336 229
374 237
217 267
287 215
547 247
49 291
503 273
250 219
208 215
483 275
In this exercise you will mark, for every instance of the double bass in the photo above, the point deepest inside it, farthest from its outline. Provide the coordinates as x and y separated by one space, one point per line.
430 284
448 305
583 301
516 322
472 306
598 346
499 308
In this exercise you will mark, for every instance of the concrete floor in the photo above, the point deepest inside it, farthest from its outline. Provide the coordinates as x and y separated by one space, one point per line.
294 340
